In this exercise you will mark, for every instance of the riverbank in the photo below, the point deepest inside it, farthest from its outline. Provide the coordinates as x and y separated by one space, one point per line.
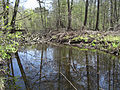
104 41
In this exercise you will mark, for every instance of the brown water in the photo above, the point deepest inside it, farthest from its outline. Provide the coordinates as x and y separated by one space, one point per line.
48 67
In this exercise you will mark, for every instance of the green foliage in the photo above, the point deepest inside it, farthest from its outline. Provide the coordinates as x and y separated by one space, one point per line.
114 45
93 42
7 6
8 44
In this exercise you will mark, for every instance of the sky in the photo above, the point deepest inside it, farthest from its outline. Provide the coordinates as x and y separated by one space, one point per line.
32 4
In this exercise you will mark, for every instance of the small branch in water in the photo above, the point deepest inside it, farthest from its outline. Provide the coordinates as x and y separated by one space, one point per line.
68 81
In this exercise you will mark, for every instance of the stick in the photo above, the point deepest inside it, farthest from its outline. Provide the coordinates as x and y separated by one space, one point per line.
68 81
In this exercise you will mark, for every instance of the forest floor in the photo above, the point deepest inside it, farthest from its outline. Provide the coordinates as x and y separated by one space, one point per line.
108 41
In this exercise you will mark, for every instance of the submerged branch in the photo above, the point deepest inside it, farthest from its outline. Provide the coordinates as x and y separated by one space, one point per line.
68 81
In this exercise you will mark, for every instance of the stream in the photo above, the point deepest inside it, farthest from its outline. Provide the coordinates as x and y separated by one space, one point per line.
50 67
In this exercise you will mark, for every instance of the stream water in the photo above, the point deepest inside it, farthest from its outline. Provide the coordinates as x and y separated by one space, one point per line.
49 67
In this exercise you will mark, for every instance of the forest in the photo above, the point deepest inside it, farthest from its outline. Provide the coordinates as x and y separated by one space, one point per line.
65 27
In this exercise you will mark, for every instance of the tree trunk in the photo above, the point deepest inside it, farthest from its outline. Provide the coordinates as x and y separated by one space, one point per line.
14 15
86 12
44 18
97 20
41 12
115 10
69 14
94 13
118 16
59 18
4 9
7 12
111 17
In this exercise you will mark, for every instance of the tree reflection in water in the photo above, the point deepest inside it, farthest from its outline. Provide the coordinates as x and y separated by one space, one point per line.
41 65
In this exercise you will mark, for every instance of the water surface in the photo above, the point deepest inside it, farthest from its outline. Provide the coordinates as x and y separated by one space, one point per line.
49 67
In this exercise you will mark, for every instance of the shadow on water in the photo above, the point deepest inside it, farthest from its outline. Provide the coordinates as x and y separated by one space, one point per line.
48 67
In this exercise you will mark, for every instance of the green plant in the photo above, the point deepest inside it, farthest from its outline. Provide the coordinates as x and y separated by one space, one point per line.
8 44
93 44
114 45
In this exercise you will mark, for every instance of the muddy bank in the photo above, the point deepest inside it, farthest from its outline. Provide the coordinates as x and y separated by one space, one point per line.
105 41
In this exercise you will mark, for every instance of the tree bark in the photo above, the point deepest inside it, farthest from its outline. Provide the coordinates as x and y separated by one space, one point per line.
14 15
4 10
7 13
69 14
115 10
111 17
86 13
97 20
59 18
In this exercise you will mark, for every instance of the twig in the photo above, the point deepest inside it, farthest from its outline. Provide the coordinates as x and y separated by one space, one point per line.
68 81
